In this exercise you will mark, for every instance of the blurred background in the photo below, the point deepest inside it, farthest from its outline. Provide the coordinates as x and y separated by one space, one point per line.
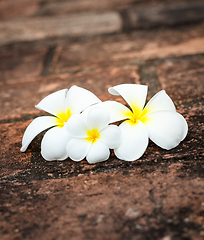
46 42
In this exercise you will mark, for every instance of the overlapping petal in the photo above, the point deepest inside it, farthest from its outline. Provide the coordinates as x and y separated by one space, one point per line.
134 141
79 99
77 126
117 111
54 103
98 118
78 148
134 94
53 145
98 152
111 136
159 102
62 104
38 125
158 120
92 136
166 129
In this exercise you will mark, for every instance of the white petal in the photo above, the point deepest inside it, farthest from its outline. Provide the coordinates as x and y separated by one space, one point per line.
111 136
134 94
98 118
98 152
159 102
79 98
117 111
134 141
77 126
53 146
38 125
77 148
166 129
53 103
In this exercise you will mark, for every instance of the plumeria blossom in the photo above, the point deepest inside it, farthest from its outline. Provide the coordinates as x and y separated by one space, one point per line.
92 136
158 120
61 105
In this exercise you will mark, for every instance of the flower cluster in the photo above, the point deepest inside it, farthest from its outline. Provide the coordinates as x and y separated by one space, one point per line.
80 126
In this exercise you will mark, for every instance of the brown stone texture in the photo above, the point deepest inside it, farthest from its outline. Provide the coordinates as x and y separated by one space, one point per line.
61 26
122 49
10 9
182 80
14 9
10 143
54 8
14 96
49 45
105 206
164 15
20 65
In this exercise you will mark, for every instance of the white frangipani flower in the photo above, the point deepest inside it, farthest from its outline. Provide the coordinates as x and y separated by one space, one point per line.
158 120
92 136
62 105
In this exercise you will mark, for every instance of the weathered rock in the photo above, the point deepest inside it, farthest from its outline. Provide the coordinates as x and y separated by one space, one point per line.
12 9
21 65
159 196
61 26
125 49
21 96
163 15
182 80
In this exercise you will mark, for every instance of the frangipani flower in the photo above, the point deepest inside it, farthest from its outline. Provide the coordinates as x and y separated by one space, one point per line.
158 120
62 105
92 136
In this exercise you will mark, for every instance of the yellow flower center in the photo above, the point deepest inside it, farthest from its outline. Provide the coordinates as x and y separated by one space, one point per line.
133 118
93 135
137 114
62 118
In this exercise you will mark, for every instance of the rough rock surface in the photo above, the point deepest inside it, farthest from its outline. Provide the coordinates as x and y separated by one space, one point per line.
158 43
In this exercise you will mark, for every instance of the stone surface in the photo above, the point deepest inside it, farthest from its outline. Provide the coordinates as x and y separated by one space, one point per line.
103 206
21 8
21 97
10 9
12 160
61 26
164 15
189 153
123 49
158 197
65 7
21 65
154 50
182 80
